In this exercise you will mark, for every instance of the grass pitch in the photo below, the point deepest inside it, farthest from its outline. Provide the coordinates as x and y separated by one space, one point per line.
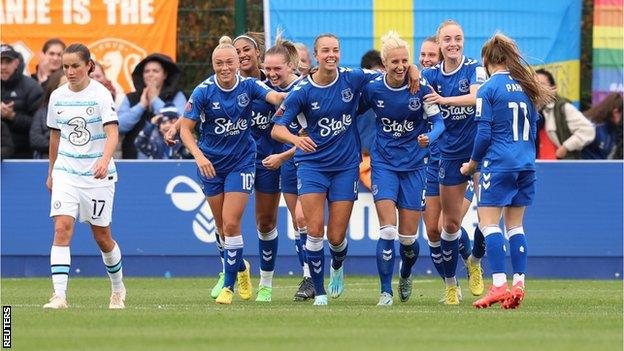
178 314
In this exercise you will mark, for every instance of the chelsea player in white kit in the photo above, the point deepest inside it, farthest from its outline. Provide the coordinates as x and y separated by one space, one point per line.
398 165
506 116
226 154
328 158
82 175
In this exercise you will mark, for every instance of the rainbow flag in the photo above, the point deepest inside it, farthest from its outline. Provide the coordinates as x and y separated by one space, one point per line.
608 44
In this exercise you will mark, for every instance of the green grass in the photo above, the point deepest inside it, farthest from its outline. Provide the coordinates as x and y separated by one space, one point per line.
178 314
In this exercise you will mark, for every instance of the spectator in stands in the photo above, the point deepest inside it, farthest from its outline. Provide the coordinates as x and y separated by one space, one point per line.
305 62
21 96
49 60
607 119
565 128
39 131
155 80
151 142
99 75
7 142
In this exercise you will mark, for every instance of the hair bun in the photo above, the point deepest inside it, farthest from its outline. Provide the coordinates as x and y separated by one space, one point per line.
225 40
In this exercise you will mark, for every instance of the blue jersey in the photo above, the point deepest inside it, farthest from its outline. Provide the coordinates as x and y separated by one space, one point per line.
401 118
456 142
261 125
329 119
225 119
502 103
294 126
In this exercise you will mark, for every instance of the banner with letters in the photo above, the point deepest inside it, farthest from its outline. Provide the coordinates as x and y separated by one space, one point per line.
547 32
119 33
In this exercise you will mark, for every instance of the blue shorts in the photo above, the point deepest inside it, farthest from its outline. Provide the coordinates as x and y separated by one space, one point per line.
267 180
502 189
469 194
338 185
288 177
406 189
449 173
240 180
433 185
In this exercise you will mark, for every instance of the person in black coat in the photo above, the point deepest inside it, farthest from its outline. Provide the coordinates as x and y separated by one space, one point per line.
21 96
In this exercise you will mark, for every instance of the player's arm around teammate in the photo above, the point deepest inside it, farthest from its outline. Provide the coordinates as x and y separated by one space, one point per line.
398 166
505 148
225 155
281 62
82 175
454 83
328 158
250 49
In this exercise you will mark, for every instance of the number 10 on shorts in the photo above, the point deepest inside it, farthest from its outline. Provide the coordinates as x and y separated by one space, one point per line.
247 180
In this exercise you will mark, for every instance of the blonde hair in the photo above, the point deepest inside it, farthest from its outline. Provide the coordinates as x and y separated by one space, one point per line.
502 50
285 48
225 42
390 41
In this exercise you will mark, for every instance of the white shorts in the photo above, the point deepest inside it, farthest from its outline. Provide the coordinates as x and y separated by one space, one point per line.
94 205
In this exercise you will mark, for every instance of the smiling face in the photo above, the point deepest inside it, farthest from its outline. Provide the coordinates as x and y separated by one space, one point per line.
397 63
327 53
154 74
451 41
277 69
225 64
248 55
429 54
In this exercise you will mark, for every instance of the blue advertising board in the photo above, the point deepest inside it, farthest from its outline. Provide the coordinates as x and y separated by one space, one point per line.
160 218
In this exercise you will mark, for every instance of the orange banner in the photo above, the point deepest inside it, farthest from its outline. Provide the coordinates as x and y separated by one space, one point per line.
119 33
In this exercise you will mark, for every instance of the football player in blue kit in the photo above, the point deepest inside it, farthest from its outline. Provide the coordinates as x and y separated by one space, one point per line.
504 146
454 84
280 64
328 156
225 155
430 56
397 160
250 49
